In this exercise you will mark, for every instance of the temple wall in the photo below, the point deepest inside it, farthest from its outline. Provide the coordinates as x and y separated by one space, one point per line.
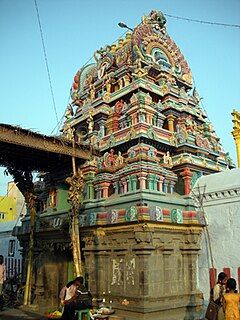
221 203
146 270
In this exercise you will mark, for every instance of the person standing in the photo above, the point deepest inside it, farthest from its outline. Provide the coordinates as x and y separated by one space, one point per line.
218 292
2 274
231 300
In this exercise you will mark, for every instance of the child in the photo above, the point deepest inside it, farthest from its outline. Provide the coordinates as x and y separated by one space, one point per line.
218 292
231 300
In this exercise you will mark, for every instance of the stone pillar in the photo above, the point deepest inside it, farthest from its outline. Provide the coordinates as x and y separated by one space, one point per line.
121 187
170 120
129 183
90 190
134 118
101 127
134 182
165 186
105 187
148 118
115 185
99 191
150 181
89 177
142 176
151 119
187 176
171 186
167 268
115 122
159 122
160 182
125 189
190 269
155 182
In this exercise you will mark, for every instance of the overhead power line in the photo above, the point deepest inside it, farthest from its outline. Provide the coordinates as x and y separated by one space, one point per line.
204 22
46 60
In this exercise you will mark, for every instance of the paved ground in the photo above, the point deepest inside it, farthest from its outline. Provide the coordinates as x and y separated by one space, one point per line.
18 313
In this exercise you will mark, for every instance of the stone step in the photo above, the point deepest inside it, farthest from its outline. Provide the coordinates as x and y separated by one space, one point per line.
114 317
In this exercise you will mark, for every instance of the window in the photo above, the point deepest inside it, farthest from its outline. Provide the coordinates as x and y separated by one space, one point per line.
2 216
11 248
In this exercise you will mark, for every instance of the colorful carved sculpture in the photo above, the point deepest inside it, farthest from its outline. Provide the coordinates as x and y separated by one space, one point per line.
148 124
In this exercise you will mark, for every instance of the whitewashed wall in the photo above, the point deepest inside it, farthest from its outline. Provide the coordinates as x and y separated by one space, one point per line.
221 202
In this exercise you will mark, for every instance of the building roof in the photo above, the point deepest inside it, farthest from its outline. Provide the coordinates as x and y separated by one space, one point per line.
9 225
43 152
225 180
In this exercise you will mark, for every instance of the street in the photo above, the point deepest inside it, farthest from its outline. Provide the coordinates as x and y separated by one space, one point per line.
18 313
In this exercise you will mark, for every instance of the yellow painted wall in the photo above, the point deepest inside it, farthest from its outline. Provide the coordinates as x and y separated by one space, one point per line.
7 209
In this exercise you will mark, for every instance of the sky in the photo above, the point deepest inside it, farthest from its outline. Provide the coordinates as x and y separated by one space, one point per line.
73 29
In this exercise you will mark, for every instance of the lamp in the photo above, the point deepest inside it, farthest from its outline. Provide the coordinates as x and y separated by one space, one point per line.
123 25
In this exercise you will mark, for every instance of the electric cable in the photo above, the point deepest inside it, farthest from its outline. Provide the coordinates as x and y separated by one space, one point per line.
204 22
46 60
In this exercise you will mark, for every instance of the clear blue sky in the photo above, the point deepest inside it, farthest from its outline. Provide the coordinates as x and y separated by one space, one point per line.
73 30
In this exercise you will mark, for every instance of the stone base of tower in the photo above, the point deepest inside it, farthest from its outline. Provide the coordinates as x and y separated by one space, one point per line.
145 270
173 312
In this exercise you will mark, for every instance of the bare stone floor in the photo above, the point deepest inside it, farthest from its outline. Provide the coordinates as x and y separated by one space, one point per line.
18 313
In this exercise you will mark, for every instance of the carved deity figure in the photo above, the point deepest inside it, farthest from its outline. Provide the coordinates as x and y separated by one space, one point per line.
92 91
69 113
76 101
167 159
196 96
190 124
120 83
90 123
119 159
139 71
92 162
69 132
155 17
181 133
108 83
127 79
119 106
109 159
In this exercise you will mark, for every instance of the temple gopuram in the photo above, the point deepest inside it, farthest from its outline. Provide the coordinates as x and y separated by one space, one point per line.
140 233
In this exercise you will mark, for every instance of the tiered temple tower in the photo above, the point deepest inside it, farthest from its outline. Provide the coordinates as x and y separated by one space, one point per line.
139 230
